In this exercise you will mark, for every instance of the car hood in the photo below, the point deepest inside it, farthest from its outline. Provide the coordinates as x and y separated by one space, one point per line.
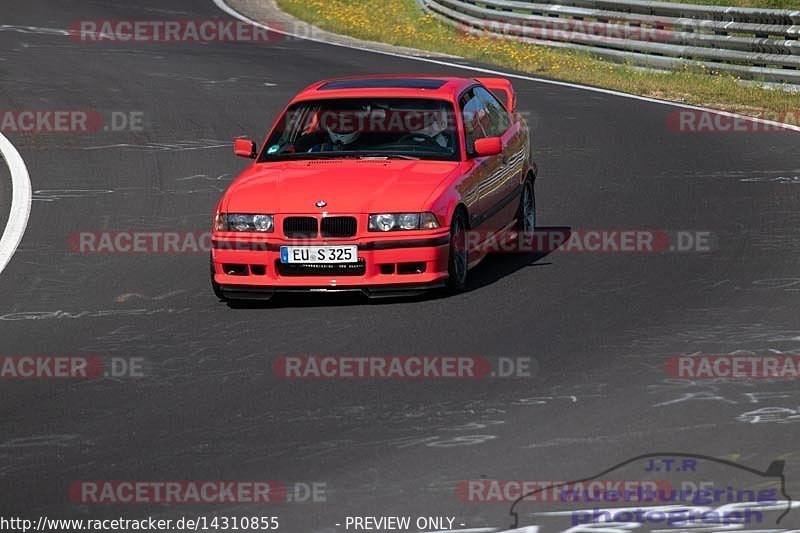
345 185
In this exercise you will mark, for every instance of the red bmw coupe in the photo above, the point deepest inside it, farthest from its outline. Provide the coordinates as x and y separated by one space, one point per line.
379 184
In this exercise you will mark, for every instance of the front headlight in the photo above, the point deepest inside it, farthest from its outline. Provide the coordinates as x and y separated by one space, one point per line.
402 221
242 222
408 221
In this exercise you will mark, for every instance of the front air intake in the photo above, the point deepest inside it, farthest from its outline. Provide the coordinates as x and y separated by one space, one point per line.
300 227
339 227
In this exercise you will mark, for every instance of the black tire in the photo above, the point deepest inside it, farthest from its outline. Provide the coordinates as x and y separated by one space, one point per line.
526 219
458 258
214 285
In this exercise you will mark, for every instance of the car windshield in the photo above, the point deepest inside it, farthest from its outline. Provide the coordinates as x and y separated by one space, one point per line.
403 128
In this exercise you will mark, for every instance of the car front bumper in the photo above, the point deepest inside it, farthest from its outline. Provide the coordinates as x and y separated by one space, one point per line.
249 266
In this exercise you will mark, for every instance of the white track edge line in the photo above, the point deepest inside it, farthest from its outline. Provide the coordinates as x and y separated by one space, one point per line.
20 202
232 12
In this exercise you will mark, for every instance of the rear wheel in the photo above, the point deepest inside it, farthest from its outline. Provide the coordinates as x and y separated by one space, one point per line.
458 261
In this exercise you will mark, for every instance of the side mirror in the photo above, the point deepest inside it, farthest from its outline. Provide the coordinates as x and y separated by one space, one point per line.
245 148
488 146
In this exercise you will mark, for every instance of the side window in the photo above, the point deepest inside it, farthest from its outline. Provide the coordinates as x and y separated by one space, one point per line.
498 116
475 117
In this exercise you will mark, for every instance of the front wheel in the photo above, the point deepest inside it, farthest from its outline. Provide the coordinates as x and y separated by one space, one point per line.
526 216
458 261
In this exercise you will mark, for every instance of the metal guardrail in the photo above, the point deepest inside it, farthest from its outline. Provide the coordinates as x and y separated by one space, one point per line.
751 43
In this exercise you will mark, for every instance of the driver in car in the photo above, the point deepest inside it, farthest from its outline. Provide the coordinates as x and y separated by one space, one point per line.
338 141
434 131
343 128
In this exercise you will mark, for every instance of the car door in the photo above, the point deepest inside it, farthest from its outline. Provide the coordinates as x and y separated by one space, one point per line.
476 120
501 192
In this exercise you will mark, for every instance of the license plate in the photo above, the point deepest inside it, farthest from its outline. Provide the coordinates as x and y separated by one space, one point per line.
319 254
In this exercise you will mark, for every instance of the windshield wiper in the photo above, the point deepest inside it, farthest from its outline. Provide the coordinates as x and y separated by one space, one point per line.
304 156
339 155
390 156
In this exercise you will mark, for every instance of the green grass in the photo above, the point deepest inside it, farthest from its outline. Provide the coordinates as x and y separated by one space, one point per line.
401 22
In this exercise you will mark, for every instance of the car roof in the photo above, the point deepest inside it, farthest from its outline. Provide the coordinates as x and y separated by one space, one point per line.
398 85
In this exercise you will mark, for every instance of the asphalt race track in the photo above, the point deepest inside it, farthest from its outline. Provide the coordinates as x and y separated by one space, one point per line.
599 325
